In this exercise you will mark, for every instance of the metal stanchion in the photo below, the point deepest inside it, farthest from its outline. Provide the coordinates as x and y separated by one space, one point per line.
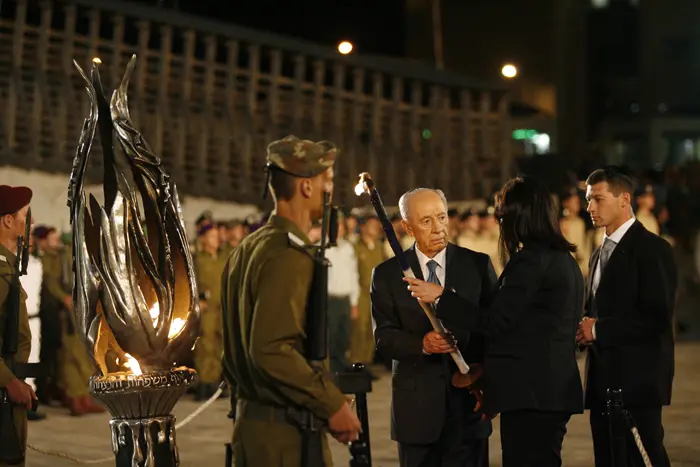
618 430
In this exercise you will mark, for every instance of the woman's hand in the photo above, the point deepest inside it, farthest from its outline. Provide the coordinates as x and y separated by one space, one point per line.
424 291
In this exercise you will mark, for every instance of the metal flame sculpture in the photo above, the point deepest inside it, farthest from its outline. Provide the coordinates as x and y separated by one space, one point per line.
135 296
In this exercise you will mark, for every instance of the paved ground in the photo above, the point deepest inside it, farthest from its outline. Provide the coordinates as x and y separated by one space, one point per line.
201 442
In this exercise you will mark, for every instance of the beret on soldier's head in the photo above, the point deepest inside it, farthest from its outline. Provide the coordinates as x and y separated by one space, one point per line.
300 157
206 216
204 229
13 198
42 231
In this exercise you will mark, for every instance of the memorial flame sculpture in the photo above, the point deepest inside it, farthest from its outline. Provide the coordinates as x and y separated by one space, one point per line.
135 296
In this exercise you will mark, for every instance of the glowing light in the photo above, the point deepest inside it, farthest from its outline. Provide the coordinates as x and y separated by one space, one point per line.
97 60
509 71
132 364
176 325
359 188
345 47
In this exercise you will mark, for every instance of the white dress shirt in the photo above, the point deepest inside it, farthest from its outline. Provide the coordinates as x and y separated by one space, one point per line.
343 278
439 258
616 236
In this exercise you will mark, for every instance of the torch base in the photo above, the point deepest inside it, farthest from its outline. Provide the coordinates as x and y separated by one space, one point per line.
143 429
148 442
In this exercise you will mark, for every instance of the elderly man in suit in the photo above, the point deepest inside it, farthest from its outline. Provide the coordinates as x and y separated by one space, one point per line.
628 323
433 422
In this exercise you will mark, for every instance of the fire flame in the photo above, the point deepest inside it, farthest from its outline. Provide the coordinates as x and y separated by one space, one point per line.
176 326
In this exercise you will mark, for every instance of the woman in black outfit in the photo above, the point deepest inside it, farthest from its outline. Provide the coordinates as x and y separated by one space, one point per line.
530 373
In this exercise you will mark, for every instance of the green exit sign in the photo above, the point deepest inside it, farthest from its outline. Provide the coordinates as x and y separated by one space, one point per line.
520 134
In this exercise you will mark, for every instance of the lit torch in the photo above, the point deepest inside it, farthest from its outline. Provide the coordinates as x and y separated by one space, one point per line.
135 295
366 185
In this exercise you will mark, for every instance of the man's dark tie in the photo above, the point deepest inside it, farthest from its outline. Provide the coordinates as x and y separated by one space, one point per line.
432 274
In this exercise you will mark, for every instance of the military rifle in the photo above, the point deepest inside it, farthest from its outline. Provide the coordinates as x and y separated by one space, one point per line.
12 450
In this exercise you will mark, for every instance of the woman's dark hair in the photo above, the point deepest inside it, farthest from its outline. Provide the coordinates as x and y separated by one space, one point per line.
526 212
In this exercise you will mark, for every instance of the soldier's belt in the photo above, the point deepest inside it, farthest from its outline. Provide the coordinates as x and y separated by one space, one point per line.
27 370
301 418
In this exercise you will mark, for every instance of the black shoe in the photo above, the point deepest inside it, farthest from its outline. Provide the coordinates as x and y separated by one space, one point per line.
34 416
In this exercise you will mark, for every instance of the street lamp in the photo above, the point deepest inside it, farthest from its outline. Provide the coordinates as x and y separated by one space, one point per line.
509 71
345 47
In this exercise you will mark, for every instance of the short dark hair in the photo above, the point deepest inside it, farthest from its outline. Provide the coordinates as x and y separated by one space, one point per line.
282 184
617 180
527 214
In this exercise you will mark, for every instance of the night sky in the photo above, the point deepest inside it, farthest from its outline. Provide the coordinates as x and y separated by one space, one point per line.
479 34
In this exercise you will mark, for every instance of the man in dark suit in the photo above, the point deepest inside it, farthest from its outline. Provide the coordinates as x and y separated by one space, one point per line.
628 319
433 422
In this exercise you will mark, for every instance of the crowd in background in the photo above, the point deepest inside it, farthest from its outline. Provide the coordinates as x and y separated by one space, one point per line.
664 206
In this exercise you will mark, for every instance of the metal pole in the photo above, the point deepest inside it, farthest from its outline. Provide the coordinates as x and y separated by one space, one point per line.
437 36
618 429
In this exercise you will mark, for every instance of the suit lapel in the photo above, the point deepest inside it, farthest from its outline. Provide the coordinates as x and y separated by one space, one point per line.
589 283
616 262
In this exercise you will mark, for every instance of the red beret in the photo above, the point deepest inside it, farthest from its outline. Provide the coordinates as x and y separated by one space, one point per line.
13 198
43 231
204 229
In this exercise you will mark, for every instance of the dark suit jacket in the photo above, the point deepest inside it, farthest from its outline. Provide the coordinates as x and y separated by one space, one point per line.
634 304
420 383
530 329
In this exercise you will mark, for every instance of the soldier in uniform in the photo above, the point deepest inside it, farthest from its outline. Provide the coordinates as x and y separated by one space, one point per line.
208 266
469 230
74 366
236 232
265 290
369 255
488 238
14 203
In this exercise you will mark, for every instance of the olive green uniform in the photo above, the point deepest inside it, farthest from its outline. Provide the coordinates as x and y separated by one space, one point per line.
209 347
361 332
74 366
265 291
7 271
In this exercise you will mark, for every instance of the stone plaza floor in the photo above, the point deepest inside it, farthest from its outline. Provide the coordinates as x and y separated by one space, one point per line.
201 442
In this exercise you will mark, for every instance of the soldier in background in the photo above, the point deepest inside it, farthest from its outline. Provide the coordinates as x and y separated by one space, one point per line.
236 232
204 218
573 227
208 265
469 230
266 290
351 225
74 366
646 202
453 225
404 240
369 254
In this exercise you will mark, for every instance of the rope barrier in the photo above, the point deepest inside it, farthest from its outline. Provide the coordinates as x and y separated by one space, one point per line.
637 439
102 460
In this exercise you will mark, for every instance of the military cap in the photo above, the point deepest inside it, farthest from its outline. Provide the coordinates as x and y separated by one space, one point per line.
300 157
204 229
13 198
206 216
235 223
42 231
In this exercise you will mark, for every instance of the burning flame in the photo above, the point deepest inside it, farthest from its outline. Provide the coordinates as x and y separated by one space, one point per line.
132 364
361 186
176 326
